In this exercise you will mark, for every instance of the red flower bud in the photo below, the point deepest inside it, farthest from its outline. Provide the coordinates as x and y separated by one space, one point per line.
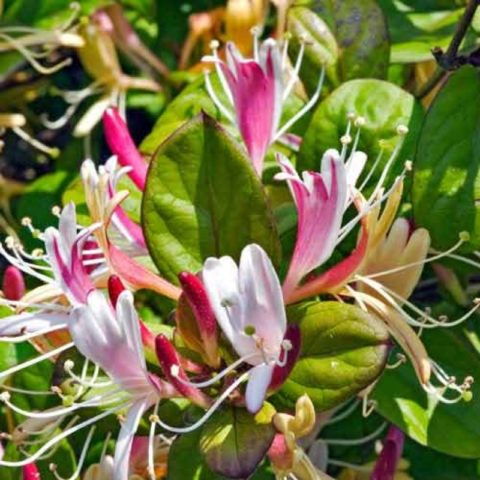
13 283
170 363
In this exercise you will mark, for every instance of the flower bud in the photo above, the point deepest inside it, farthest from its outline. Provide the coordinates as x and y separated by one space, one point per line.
196 296
122 145
30 472
390 455
13 283
175 374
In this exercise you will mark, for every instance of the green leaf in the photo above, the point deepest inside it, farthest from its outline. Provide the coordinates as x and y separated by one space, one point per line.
361 33
451 429
186 461
343 350
446 181
193 100
321 51
203 199
384 107
414 32
348 37
234 442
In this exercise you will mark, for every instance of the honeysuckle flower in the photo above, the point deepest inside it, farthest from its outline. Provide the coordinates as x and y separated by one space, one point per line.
321 200
117 348
121 144
387 462
28 44
103 202
256 89
66 282
123 231
99 59
353 161
248 304
287 457
113 21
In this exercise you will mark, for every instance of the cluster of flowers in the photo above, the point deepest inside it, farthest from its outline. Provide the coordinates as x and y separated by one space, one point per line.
89 274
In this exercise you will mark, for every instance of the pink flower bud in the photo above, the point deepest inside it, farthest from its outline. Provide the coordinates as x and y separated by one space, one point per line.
197 299
122 145
279 453
390 455
175 374
30 472
13 283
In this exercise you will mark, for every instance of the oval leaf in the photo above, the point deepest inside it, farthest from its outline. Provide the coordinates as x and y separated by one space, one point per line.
343 350
203 199
384 106
361 33
234 442
447 163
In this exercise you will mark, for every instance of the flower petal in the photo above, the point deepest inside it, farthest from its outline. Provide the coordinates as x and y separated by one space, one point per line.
258 381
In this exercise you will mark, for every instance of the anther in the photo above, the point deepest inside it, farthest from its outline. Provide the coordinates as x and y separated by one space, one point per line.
402 129
346 139
5 397
153 418
69 364
52 467
26 221
351 116
464 236
214 44
408 165
175 370
360 121
56 210
287 345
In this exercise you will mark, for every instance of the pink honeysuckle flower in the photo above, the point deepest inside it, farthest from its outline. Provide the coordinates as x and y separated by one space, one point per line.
63 274
387 462
127 238
122 145
123 231
248 303
256 89
321 199
112 339
65 250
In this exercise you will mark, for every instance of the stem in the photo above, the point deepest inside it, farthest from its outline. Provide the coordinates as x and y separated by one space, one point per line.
461 30
449 60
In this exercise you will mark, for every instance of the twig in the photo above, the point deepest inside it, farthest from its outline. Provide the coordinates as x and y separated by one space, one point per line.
450 60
